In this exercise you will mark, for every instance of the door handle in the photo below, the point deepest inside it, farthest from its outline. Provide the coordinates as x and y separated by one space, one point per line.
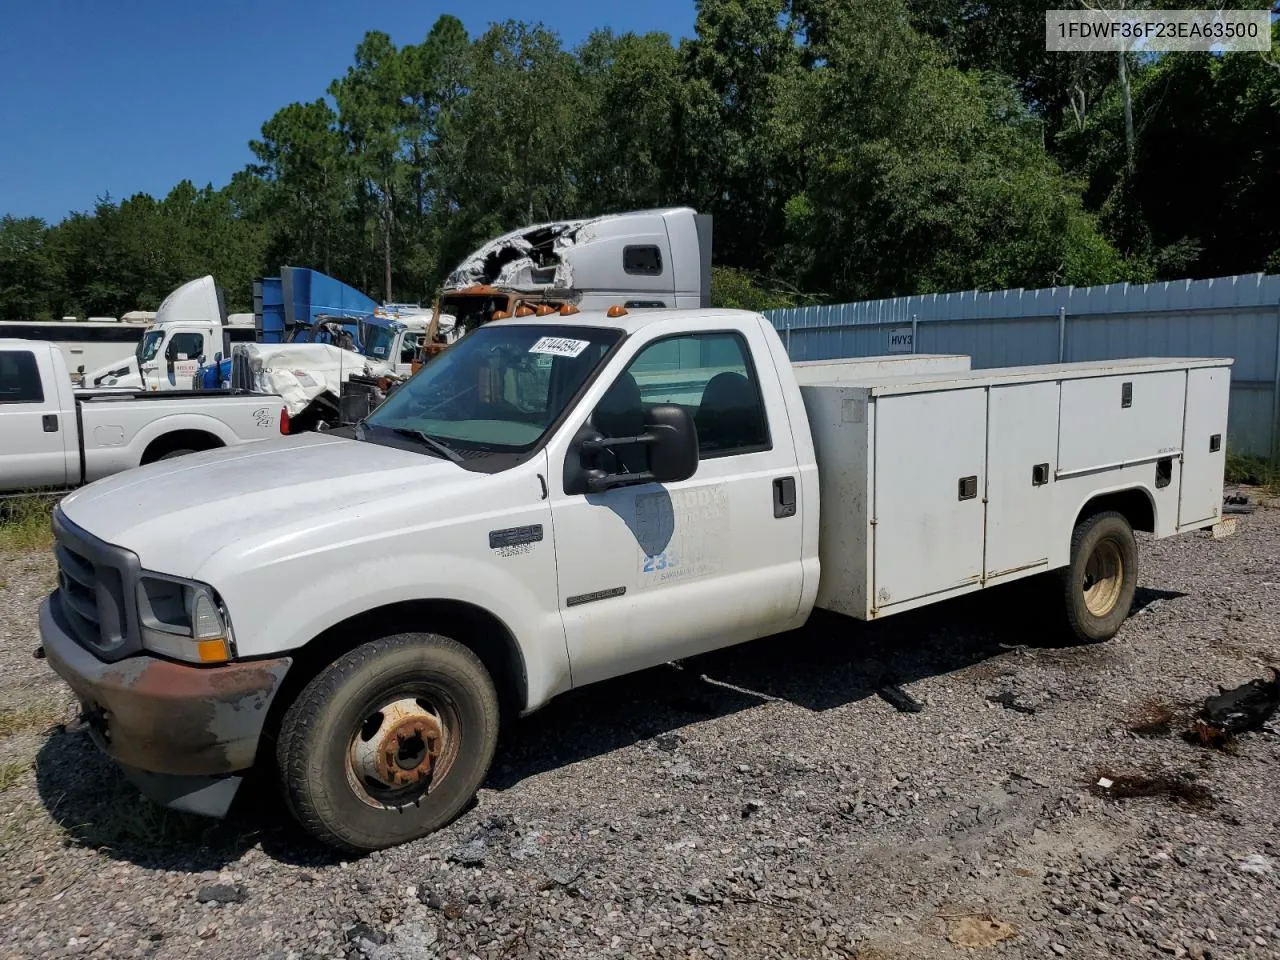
784 497
50 422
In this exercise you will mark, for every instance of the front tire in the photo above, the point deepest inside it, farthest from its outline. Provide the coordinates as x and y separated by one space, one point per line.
1102 577
388 743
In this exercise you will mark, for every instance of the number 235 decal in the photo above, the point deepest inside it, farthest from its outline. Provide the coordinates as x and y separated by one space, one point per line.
659 561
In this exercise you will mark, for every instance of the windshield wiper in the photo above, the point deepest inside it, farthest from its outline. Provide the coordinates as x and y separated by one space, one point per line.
429 442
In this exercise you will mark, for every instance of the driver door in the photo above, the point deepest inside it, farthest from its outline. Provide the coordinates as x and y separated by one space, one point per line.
655 572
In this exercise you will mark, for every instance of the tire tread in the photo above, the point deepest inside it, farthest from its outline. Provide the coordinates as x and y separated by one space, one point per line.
300 781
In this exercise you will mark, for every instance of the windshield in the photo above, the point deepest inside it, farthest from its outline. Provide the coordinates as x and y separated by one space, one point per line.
500 388
150 345
378 341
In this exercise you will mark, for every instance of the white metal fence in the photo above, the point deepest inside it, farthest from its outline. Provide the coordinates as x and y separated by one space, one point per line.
1236 317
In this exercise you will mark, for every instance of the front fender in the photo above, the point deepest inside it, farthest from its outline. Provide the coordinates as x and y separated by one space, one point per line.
303 600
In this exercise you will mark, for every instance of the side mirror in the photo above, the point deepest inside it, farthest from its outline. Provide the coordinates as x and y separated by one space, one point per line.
673 453
671 440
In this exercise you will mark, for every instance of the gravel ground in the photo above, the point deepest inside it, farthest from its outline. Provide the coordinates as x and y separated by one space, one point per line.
757 802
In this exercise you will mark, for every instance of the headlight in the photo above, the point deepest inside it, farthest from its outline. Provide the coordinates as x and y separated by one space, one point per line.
183 619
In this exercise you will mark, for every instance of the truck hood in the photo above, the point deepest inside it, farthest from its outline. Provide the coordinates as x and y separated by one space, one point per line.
177 513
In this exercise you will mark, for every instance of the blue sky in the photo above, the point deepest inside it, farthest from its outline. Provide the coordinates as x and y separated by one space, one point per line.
135 95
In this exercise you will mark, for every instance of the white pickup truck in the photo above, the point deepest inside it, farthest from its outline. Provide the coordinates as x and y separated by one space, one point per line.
54 437
555 501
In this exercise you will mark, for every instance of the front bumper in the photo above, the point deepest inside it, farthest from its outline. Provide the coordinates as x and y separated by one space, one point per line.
183 734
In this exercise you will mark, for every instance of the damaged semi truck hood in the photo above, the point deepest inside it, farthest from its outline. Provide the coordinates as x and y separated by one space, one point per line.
528 257
655 257
176 514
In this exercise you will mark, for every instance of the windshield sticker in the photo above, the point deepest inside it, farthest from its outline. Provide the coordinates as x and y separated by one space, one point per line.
560 346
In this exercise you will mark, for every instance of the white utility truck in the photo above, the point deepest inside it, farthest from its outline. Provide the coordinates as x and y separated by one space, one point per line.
190 326
554 501
54 437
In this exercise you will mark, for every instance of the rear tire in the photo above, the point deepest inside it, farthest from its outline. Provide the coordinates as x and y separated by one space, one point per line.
174 453
388 743
1102 577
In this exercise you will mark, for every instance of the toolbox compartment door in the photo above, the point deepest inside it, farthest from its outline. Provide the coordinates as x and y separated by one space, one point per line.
930 454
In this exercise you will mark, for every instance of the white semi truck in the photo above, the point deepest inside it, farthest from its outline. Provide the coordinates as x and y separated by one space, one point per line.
642 259
555 501
190 326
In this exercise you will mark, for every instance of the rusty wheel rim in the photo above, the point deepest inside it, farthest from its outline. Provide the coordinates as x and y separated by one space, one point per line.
1103 578
402 747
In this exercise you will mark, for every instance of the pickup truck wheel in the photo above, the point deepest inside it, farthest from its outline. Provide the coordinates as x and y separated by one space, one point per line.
1102 576
388 743
174 453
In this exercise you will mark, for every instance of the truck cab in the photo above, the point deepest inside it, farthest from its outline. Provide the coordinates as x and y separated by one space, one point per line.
643 259
190 326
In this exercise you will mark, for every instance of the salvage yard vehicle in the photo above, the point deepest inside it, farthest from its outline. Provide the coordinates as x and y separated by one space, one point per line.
551 503
53 436
191 324
642 259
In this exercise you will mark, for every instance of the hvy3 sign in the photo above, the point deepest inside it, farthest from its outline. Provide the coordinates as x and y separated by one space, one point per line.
901 340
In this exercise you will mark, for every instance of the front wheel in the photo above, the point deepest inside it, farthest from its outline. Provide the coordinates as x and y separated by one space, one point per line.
389 743
1102 577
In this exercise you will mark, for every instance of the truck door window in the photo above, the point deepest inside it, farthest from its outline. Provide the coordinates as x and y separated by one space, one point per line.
645 261
409 347
712 377
185 346
20 378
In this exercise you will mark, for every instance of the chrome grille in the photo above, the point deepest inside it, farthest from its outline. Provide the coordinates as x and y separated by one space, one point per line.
95 605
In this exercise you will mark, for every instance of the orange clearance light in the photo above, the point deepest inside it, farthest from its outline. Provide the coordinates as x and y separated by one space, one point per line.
545 309
616 311
212 651
568 310
499 315
524 312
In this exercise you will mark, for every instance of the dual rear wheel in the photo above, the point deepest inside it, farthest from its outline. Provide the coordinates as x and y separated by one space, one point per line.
1101 579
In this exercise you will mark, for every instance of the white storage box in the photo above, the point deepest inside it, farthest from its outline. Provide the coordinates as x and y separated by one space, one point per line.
937 484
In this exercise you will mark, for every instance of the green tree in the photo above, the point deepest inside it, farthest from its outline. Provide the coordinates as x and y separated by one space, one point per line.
1202 195
632 87
301 158
27 274
371 115
743 54
437 80
921 177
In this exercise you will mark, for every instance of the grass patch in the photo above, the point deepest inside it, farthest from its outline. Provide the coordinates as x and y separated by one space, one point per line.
25 523
1254 472
11 773
37 716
